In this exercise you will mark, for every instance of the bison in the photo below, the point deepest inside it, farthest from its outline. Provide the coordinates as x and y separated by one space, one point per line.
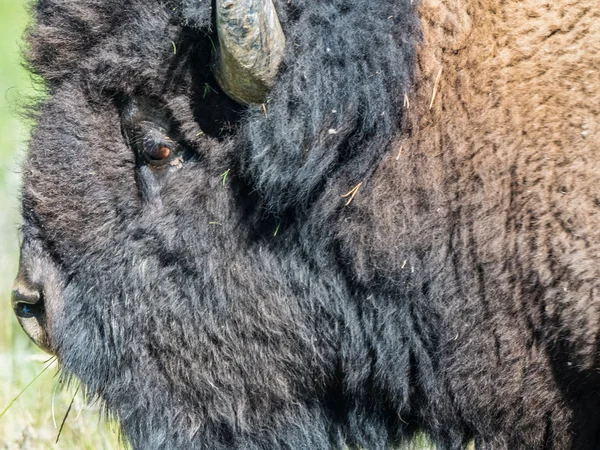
327 224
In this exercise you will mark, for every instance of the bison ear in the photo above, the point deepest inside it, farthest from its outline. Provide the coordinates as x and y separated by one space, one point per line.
197 13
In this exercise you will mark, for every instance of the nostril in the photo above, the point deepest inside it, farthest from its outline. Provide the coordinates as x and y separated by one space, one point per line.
31 297
28 302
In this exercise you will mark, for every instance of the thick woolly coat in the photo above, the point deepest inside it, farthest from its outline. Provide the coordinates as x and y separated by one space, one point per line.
240 302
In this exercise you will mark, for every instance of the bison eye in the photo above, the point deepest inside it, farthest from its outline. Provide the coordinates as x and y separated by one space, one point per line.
155 138
149 131
154 147
160 153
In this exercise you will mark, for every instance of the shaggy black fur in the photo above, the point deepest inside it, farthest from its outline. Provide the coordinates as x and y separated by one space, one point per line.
231 300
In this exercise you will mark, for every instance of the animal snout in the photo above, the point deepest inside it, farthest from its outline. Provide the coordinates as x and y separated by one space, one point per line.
28 302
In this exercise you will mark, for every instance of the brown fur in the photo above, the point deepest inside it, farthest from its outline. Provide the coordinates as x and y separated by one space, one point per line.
505 166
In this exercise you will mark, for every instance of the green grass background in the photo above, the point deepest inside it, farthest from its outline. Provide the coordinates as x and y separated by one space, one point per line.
32 422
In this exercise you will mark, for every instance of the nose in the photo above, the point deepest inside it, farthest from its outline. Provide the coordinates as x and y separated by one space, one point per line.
28 305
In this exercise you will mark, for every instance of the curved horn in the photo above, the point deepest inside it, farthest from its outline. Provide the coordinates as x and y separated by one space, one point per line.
251 46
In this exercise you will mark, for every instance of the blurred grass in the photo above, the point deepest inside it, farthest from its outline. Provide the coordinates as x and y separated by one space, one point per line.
32 422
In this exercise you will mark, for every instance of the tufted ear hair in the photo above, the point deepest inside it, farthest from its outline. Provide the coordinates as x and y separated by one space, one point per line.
197 13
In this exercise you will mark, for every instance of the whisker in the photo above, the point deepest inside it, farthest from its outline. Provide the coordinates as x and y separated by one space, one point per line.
66 415
52 406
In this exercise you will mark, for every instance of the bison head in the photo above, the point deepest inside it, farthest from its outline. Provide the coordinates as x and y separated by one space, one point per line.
240 240
161 259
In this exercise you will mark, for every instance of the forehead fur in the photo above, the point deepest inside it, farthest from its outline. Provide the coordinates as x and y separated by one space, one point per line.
108 43
336 99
